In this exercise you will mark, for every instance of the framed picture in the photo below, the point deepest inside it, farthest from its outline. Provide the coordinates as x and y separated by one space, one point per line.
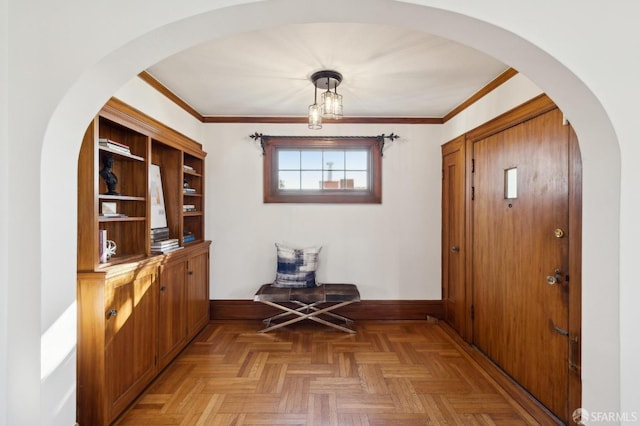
158 213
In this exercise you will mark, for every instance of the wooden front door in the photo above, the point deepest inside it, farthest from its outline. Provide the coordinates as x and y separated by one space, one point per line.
520 255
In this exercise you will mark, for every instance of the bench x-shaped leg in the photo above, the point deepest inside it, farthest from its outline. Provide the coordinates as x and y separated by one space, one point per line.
302 307
309 315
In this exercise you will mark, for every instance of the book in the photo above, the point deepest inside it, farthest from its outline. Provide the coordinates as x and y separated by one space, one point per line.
114 146
159 234
188 168
116 149
189 191
168 250
102 246
188 238
160 230
113 215
168 246
105 141
165 243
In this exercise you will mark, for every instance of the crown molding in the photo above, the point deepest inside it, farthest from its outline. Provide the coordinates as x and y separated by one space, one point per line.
493 84
153 82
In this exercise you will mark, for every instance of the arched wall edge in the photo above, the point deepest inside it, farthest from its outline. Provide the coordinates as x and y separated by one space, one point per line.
596 134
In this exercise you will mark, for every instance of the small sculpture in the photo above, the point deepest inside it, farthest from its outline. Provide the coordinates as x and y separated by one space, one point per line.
110 249
109 177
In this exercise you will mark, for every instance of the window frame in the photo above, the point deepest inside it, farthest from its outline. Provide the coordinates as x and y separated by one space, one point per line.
273 194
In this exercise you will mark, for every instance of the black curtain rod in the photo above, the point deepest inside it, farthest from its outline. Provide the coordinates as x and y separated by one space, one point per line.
381 138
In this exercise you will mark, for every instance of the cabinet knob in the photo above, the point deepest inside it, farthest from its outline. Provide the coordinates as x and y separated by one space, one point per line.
112 313
163 288
190 272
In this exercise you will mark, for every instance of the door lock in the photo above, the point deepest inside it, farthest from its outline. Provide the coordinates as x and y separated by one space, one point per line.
554 279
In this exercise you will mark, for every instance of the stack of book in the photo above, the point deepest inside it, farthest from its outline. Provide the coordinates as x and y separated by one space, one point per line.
166 246
189 208
114 146
159 234
188 237
189 191
187 168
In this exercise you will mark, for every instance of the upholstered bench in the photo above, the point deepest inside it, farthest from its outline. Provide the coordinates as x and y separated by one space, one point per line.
307 299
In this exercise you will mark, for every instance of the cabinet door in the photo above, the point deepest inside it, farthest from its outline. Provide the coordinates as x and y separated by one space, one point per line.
172 311
197 292
131 340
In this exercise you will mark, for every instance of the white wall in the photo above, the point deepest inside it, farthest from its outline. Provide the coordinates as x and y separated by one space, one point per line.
140 95
4 202
509 95
61 70
391 250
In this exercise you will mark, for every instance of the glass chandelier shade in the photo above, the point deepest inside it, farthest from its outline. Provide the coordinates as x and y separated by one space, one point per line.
330 106
315 115
328 103
337 106
315 118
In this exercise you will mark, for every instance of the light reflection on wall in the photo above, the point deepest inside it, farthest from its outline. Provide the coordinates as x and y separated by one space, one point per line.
56 343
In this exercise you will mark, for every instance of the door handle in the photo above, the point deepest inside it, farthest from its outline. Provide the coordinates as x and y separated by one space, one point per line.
455 249
556 278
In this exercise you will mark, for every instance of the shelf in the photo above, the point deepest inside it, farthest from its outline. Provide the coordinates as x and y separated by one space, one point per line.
121 154
121 260
192 242
121 219
149 143
120 197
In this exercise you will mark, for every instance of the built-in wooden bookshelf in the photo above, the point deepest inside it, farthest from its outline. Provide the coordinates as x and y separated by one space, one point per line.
137 310
193 195
181 162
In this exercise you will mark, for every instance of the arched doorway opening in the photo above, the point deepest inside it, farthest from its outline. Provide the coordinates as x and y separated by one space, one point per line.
597 138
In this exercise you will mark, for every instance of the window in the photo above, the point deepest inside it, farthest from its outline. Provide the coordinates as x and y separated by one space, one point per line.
322 170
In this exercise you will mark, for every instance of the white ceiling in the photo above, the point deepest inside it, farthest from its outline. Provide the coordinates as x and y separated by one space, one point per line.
387 71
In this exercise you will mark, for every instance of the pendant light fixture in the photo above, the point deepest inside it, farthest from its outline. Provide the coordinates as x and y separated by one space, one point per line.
331 102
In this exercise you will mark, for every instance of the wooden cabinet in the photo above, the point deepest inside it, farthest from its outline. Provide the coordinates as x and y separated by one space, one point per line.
197 294
183 300
117 336
136 310
172 319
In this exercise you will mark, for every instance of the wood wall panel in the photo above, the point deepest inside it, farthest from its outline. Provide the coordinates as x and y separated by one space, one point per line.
364 310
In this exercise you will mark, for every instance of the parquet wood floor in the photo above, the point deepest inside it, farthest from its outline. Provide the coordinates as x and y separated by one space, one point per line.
389 373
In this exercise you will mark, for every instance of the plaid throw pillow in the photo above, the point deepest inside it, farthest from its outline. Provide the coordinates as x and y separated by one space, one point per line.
296 267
